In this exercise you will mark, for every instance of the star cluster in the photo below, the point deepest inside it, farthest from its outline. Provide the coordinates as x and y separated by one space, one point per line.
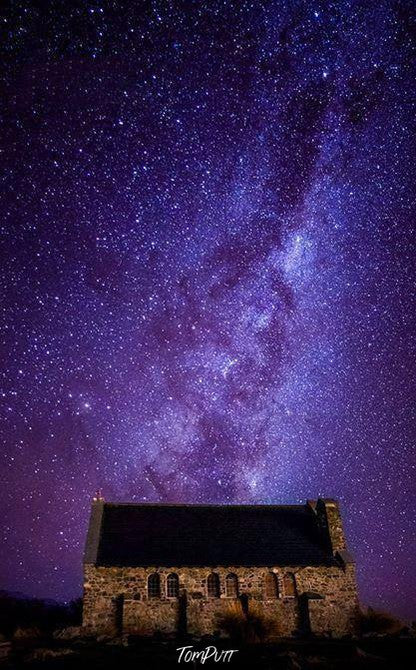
208 270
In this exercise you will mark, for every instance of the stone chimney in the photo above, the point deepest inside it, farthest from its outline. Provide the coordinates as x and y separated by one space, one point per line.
94 528
98 496
329 521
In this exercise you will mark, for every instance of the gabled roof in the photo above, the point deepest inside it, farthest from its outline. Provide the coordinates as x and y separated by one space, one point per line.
205 535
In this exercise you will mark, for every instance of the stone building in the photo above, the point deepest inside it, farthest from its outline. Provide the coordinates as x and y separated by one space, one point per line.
181 568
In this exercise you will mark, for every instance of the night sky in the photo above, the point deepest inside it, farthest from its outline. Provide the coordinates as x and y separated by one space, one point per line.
208 270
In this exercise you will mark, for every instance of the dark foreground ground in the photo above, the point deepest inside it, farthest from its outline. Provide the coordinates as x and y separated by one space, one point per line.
371 653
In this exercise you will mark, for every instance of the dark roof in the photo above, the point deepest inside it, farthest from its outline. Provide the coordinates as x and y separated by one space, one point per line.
206 535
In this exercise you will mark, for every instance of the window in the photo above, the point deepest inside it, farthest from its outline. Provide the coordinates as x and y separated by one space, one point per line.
231 586
289 585
271 589
172 586
213 585
153 585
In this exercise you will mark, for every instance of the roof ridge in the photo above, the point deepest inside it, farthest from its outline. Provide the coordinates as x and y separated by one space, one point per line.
216 505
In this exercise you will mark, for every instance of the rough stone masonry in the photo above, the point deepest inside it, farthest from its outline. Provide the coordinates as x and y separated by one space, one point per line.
155 568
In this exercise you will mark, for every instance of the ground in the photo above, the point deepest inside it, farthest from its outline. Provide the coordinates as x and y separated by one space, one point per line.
368 653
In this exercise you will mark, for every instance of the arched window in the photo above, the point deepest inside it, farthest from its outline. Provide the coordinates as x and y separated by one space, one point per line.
172 585
153 585
289 585
231 586
213 585
271 588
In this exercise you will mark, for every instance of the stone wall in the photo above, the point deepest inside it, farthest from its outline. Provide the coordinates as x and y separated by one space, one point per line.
336 613
116 600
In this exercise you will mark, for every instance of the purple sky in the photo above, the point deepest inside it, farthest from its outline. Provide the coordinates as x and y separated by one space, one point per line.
208 271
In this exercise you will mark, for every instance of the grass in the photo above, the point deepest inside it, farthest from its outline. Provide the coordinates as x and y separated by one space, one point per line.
249 627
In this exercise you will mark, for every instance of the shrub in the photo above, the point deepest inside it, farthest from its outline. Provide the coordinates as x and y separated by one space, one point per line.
16 611
27 633
378 621
247 627
68 633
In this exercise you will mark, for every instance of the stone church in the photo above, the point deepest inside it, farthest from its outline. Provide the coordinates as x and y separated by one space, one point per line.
162 568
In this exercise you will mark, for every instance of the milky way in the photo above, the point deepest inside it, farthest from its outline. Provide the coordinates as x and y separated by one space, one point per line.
207 270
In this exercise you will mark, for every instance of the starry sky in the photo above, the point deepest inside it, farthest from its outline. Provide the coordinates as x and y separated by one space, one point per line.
207 272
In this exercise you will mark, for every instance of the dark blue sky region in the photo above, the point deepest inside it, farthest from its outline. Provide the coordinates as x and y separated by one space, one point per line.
208 270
